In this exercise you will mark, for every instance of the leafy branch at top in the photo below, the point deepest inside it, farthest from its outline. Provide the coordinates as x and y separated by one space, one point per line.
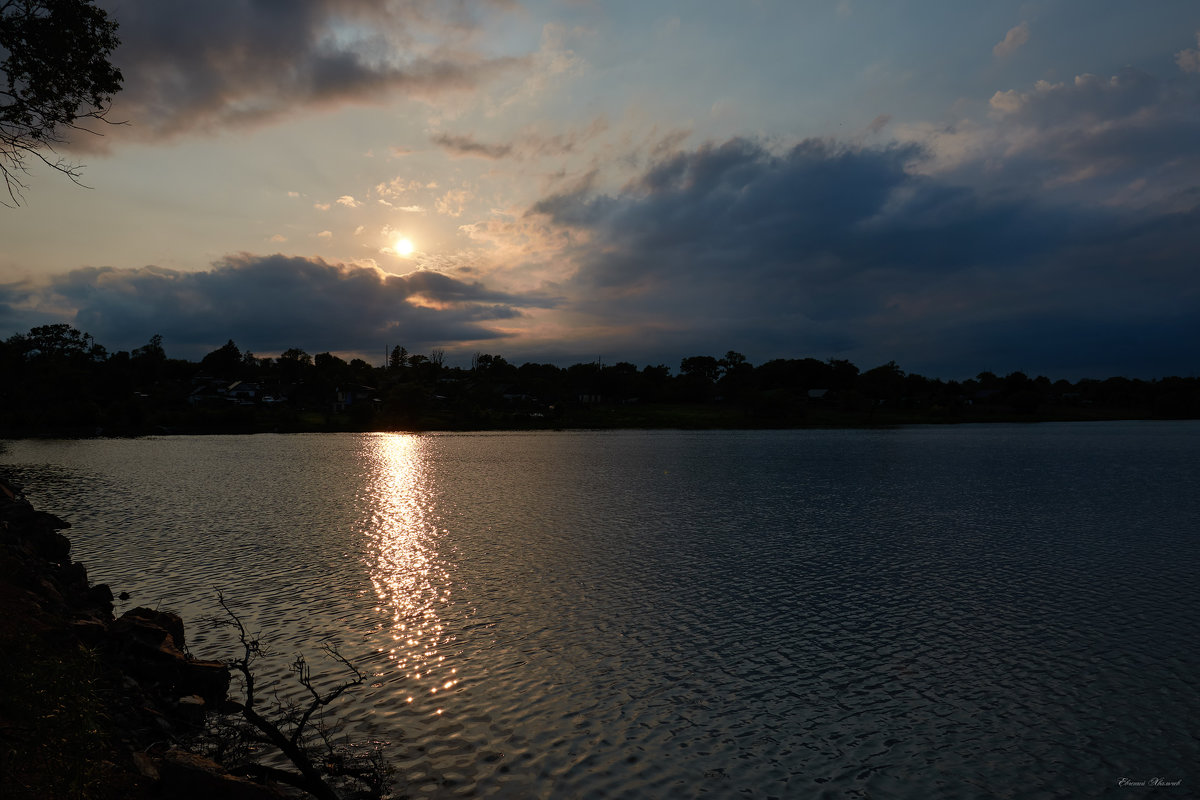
54 73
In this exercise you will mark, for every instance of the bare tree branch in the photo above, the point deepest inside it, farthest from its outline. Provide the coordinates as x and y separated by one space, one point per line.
303 723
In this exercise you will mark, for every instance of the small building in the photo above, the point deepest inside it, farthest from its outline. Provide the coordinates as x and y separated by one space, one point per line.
243 392
349 395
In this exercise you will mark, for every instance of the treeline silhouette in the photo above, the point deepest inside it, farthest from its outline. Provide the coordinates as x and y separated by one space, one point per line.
58 380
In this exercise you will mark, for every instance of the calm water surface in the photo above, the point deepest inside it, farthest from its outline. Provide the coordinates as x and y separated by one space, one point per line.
973 611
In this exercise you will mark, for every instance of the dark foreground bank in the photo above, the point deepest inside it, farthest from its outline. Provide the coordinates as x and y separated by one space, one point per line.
92 705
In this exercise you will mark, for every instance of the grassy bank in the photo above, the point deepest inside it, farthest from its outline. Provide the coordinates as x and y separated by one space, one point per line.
58 731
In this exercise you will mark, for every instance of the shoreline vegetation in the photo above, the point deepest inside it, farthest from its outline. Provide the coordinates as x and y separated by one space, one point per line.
60 382
99 707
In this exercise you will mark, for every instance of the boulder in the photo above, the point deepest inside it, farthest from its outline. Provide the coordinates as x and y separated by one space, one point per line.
187 776
149 623
150 643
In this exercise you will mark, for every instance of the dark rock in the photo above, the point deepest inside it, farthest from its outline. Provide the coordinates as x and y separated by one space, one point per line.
147 639
90 631
149 622
101 594
20 512
50 545
51 594
145 765
207 679
74 575
50 521
187 776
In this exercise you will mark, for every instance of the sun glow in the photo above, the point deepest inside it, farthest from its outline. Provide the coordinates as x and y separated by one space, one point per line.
403 246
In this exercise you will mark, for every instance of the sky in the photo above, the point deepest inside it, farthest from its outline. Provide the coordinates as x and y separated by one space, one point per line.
956 187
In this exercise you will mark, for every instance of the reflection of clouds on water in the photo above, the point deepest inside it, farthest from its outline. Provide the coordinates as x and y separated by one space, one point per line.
410 580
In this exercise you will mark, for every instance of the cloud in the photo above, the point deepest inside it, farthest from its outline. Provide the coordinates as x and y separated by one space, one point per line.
772 214
1086 99
387 191
268 304
453 202
553 63
467 146
1189 60
825 249
1099 133
348 201
527 144
192 68
1012 41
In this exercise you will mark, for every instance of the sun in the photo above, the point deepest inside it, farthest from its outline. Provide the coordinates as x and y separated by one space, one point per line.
403 246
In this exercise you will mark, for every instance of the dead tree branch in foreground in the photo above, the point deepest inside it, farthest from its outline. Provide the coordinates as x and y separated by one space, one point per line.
296 730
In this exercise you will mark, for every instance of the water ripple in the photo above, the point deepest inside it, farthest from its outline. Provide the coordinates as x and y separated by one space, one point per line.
1000 612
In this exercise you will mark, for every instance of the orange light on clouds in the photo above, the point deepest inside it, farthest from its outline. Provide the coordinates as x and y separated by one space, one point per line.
422 301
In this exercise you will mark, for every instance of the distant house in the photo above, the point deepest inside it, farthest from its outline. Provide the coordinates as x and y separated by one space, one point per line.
515 395
207 391
346 396
243 392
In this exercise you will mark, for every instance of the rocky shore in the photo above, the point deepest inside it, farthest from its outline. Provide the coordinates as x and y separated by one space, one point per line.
93 705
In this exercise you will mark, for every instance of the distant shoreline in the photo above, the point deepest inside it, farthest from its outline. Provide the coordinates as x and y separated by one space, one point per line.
61 383
646 417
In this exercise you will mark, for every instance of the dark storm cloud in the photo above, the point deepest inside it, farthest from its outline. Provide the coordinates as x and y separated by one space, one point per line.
828 250
270 303
736 211
205 66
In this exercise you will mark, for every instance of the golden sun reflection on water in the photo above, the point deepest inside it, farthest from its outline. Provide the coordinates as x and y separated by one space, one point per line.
408 573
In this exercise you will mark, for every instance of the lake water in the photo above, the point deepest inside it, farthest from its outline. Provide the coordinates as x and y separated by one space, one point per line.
926 612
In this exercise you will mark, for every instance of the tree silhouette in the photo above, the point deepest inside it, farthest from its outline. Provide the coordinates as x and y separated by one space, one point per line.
737 374
54 72
224 362
883 383
56 379
60 342
293 363
704 368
